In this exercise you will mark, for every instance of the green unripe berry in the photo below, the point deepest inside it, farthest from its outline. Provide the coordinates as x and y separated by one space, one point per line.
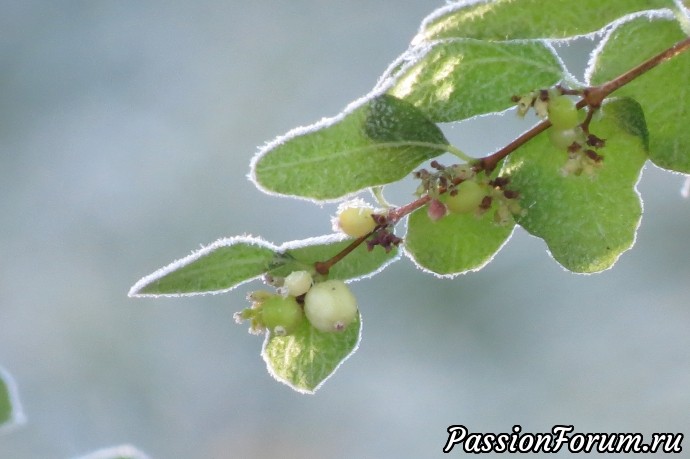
330 306
297 283
356 221
281 315
469 197
563 138
562 112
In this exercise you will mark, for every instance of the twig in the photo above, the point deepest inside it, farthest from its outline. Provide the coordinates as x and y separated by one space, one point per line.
592 97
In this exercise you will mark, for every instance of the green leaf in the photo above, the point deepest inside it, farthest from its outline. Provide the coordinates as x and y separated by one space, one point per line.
217 268
305 359
663 91
299 255
524 19
379 141
456 79
11 414
230 262
586 221
456 243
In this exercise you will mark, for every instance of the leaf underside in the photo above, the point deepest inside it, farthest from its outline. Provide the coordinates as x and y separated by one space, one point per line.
586 221
305 359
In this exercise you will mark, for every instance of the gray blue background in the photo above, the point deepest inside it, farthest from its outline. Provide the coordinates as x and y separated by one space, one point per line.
126 130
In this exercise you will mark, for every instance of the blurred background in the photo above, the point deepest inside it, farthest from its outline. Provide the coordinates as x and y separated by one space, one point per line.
126 131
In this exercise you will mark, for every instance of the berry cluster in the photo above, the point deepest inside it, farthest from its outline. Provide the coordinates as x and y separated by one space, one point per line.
567 131
462 189
329 306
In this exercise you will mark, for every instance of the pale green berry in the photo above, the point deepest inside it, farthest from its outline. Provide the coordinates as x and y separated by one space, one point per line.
281 315
356 221
297 283
330 306
468 198
563 138
563 113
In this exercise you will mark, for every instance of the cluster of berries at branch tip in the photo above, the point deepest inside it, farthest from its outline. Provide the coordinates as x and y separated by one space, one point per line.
567 132
329 306
465 189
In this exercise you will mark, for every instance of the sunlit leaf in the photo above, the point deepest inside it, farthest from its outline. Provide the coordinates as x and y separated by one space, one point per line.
586 221
217 268
305 359
520 19
456 79
376 142
456 243
663 92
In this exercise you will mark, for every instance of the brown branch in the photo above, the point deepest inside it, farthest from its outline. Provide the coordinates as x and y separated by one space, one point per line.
488 163
395 215
592 97
322 267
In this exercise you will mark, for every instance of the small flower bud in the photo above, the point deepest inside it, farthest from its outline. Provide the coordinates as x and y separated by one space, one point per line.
436 210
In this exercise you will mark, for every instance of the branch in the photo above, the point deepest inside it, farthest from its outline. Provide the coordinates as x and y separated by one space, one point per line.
592 98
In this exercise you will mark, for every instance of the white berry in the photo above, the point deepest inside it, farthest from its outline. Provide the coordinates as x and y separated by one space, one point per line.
330 306
297 283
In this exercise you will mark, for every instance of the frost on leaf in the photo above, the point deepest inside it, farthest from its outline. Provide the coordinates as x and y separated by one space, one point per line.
587 221
525 19
663 93
452 80
231 262
377 141
456 243
306 358
217 268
